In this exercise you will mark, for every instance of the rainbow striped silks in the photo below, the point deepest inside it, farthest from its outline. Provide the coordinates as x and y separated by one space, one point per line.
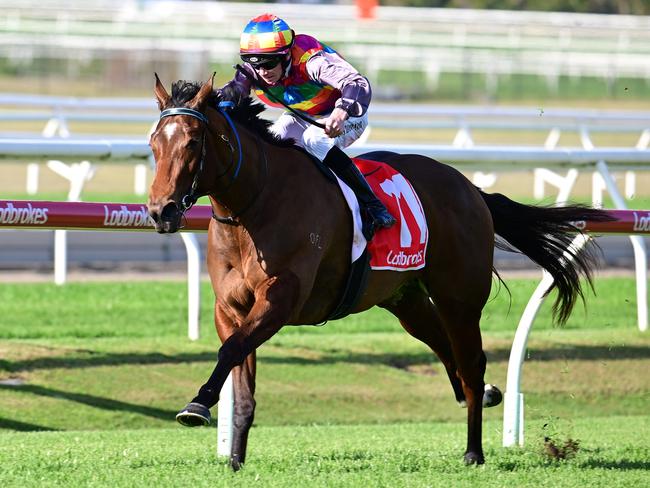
297 89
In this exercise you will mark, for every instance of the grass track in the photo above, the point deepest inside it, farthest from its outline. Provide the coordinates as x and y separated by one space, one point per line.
393 455
354 403
159 309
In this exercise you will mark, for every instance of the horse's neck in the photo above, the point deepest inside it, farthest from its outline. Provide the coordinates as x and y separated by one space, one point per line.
237 189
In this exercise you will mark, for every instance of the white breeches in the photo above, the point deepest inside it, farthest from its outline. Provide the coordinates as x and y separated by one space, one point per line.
313 138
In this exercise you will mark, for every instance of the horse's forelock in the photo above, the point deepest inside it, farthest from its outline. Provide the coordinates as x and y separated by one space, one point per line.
183 92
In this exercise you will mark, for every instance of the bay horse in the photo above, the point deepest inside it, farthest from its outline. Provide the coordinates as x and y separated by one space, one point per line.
270 200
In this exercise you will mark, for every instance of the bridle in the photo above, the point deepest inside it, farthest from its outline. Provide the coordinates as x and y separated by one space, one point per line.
190 198
193 195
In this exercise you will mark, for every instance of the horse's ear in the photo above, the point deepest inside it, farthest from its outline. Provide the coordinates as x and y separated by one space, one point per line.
161 94
202 96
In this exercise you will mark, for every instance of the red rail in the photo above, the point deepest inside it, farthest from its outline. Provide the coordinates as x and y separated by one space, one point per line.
132 216
84 215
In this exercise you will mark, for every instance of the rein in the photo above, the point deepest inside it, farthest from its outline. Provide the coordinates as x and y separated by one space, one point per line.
193 195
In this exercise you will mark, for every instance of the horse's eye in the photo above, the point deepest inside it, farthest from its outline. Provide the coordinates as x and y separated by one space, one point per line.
192 144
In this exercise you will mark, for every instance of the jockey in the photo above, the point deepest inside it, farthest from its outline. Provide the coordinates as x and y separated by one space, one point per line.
312 79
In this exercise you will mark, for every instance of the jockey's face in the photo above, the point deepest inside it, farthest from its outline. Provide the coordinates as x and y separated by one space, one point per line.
270 75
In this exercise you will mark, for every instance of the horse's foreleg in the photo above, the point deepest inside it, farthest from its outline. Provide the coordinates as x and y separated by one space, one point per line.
244 408
243 389
274 300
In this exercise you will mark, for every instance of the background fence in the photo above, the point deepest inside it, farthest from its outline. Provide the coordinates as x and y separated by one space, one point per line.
451 51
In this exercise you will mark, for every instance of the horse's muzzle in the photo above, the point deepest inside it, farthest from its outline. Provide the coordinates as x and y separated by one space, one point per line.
168 220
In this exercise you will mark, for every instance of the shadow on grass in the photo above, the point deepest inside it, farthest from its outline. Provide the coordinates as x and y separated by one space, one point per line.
623 465
327 356
92 401
620 465
101 359
21 426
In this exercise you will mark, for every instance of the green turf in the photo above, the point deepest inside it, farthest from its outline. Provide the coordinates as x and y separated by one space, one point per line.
394 455
103 367
157 309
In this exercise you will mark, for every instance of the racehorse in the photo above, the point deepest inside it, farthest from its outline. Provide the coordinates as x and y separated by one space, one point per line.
279 254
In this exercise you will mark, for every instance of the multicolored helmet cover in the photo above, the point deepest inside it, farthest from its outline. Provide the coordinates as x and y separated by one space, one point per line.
266 34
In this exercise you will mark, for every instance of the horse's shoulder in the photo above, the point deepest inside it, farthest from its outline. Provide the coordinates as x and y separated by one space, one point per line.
320 166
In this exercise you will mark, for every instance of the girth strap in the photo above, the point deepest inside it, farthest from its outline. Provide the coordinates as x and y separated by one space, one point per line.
354 287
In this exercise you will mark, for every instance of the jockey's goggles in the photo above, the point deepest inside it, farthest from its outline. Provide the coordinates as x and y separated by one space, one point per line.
262 62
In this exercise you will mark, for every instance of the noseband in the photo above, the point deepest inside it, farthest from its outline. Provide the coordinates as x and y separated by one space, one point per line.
190 198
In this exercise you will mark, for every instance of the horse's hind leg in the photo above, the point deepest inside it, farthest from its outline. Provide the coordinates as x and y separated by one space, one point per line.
419 317
451 329
462 325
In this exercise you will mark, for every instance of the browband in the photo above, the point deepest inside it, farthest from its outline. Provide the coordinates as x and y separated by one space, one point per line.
184 111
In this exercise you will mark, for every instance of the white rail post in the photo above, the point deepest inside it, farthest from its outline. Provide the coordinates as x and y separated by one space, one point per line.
639 247
630 184
193 284
32 179
644 140
463 137
60 256
56 126
140 179
552 138
225 414
77 174
513 399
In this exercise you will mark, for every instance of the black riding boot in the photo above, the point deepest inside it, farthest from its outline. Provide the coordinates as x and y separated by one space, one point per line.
373 213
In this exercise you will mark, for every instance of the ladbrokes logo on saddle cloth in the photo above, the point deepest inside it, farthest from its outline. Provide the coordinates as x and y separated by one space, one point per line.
403 246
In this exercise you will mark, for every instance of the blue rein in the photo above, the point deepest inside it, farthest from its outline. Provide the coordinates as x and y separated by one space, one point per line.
190 199
223 108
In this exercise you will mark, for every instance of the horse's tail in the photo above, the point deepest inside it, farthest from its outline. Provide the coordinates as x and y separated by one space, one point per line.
544 234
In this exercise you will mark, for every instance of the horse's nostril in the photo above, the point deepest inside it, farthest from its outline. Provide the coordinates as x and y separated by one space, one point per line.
169 212
154 216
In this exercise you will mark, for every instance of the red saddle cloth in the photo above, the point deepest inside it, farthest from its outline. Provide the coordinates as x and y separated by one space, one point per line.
403 246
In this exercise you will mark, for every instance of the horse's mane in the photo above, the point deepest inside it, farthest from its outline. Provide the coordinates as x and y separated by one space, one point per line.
246 111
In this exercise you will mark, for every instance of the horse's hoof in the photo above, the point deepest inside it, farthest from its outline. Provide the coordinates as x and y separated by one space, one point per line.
235 463
194 415
473 458
492 396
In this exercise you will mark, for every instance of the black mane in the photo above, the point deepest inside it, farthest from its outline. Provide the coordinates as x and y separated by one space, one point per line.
246 111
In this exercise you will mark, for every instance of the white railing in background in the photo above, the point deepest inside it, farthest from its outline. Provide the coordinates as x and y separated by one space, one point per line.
193 35
56 114
596 160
